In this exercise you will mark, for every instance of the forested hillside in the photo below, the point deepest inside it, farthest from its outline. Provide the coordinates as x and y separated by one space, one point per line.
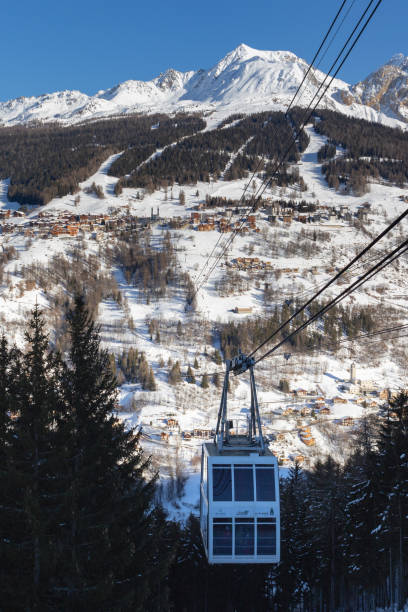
371 151
250 143
45 162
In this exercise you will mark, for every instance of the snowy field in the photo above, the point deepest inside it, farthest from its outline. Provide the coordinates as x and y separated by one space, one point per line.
320 374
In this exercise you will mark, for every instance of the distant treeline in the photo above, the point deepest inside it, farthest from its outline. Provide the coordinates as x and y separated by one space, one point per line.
254 140
338 322
370 150
49 161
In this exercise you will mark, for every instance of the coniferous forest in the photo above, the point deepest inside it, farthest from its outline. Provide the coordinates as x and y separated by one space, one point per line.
80 527
48 161
45 162
369 151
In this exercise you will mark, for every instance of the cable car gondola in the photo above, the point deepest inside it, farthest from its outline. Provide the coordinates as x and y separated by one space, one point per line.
239 491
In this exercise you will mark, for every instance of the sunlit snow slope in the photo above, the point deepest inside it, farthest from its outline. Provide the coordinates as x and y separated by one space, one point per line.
245 80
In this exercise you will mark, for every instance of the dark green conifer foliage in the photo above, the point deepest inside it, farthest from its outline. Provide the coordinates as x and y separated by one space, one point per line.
150 382
217 357
175 374
105 528
326 509
392 484
190 376
204 381
362 498
295 554
6 518
32 488
199 587
4 395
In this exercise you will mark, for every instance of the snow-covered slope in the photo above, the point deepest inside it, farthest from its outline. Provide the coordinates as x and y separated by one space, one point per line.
386 89
245 80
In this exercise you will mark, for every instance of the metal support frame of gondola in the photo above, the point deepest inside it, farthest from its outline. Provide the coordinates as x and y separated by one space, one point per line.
254 438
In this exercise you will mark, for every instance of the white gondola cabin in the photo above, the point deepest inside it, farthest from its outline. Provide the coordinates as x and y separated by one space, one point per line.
239 507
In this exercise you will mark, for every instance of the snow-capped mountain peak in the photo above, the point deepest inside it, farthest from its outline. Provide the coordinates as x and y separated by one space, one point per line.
172 80
399 60
245 80
386 89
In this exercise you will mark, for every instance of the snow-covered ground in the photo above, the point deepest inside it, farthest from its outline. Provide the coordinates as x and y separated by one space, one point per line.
245 80
322 374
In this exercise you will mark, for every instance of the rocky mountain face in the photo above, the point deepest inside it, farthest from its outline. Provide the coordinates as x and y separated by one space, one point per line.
245 80
386 89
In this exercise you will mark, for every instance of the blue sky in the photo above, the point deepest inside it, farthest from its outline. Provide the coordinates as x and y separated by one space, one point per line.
90 45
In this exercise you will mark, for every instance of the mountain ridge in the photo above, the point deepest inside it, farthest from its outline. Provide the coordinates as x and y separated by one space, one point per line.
245 80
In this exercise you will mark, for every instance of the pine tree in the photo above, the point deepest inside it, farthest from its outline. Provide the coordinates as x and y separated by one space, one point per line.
105 535
6 473
292 577
190 376
284 386
204 382
326 500
118 188
362 514
392 474
150 382
5 399
175 374
217 357
32 487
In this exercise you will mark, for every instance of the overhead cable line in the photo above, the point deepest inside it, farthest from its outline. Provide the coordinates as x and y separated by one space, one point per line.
335 33
335 278
368 335
287 110
309 113
317 53
389 258
333 345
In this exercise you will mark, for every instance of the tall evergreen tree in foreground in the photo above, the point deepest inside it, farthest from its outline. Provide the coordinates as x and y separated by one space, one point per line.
31 485
78 526
392 472
106 524
296 564
6 377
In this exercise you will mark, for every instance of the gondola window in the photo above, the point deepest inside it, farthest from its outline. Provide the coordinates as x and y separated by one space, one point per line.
243 483
222 483
265 483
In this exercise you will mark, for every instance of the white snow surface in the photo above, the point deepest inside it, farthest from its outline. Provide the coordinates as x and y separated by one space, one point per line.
321 374
245 80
